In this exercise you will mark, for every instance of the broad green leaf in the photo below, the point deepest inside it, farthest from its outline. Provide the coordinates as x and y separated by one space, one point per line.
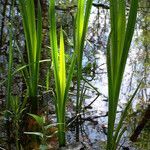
39 119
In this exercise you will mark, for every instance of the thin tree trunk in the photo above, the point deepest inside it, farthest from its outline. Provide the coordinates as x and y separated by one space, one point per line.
3 21
45 51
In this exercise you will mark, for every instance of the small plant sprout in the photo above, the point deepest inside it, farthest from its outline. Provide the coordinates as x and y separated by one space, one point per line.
44 133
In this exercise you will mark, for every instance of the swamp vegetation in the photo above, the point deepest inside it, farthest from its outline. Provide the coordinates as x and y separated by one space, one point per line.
74 74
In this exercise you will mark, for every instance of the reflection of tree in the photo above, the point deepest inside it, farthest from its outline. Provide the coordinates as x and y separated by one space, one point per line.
44 51
143 68
141 124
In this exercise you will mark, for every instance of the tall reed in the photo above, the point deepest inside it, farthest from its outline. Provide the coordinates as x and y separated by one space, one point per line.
61 84
9 84
117 52
9 76
82 17
33 36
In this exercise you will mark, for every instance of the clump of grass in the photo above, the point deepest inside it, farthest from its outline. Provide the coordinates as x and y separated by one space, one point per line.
15 113
117 52
33 36
61 84
44 133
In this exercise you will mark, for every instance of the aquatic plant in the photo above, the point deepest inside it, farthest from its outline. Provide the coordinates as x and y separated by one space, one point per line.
33 36
9 81
15 112
81 24
9 75
61 84
44 134
117 52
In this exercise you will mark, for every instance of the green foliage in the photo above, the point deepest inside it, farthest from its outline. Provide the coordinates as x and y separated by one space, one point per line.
15 112
43 134
59 73
62 85
81 24
117 52
33 36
